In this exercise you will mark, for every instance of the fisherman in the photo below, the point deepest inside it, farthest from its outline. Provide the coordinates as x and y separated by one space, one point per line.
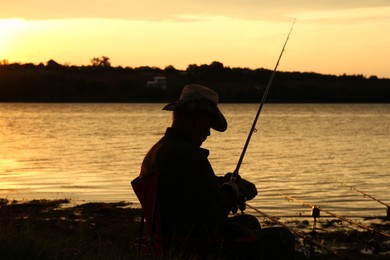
191 205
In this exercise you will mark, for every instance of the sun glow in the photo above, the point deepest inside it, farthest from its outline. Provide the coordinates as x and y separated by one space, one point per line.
196 39
28 40
323 41
9 29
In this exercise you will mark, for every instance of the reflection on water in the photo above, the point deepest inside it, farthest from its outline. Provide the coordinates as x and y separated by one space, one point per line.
91 152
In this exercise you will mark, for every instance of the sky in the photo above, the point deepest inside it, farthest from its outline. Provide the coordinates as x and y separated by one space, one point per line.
329 36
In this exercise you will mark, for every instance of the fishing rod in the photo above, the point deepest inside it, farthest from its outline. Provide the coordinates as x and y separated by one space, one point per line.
253 128
367 195
338 216
298 233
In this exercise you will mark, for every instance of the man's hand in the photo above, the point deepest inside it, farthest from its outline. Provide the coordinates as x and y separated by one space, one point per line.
233 189
247 189
241 204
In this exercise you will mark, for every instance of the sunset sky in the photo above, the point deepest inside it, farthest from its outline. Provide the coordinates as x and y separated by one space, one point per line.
329 36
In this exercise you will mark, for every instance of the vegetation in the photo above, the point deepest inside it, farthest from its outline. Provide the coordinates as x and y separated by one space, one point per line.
56 229
45 230
100 82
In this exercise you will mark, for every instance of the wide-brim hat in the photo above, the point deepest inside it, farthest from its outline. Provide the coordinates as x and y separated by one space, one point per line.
197 97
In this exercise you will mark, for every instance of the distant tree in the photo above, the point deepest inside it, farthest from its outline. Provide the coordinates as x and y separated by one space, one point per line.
216 65
45 83
52 64
170 68
101 62
4 62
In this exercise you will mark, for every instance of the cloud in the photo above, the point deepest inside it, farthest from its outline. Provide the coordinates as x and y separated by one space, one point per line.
173 9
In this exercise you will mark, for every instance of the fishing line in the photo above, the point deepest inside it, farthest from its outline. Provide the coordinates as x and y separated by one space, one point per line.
337 216
298 233
367 195
253 128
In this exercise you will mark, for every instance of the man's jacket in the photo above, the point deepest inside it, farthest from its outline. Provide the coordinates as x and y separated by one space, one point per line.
190 201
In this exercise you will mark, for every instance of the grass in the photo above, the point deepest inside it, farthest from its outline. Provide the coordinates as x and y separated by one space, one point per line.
42 229
56 229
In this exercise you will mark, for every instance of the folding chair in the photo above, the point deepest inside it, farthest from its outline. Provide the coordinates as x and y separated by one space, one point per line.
154 244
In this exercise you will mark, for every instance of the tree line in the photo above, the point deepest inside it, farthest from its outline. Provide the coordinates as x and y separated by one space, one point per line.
101 82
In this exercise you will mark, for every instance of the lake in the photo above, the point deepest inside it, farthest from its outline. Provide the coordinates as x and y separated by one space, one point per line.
91 152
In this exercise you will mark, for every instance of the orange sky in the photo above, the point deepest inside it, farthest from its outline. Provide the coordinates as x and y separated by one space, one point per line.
329 37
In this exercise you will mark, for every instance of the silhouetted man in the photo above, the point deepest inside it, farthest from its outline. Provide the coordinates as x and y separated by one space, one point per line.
190 205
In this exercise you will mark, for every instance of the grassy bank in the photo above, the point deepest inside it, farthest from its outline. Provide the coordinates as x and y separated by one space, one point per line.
56 229
43 229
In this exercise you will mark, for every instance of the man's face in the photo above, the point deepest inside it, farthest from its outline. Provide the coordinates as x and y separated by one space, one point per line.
202 127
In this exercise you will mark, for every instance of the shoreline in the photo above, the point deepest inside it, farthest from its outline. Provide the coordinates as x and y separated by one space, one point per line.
54 229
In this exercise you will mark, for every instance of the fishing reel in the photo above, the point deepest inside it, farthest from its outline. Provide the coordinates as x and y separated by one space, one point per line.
240 205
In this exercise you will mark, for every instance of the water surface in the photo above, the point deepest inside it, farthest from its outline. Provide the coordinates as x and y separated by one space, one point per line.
91 152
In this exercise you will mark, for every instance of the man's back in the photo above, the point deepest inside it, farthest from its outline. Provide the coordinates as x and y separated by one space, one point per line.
191 200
